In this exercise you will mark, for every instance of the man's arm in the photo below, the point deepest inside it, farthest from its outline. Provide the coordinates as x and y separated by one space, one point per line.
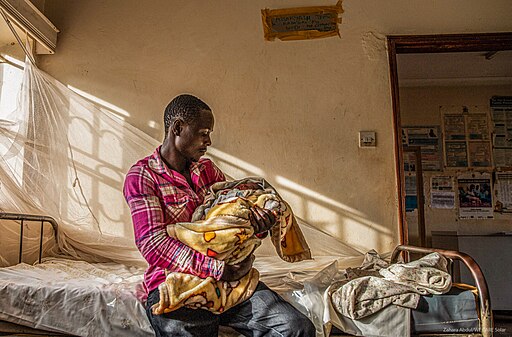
151 238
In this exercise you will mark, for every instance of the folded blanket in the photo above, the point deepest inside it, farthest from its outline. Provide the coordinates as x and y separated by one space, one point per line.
382 285
221 229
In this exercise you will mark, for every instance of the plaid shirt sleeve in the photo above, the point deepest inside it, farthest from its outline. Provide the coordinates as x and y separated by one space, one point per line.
151 237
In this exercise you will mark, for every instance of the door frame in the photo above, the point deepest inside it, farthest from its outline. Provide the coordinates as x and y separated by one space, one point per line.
443 43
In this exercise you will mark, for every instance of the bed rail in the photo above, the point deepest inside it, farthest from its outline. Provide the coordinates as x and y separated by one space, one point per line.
476 272
34 218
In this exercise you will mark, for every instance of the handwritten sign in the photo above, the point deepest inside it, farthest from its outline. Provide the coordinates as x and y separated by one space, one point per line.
301 23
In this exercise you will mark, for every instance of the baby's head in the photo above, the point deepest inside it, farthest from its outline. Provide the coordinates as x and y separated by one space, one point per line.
248 186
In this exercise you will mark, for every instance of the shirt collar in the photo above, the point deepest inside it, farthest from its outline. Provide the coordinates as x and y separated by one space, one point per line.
157 164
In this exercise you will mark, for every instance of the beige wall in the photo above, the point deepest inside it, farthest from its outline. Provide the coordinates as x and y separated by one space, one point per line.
289 111
420 106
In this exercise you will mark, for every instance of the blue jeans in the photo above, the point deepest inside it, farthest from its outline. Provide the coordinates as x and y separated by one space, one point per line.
264 314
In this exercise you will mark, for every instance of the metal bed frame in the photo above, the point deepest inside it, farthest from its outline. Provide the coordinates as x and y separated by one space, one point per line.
33 218
12 329
484 300
484 303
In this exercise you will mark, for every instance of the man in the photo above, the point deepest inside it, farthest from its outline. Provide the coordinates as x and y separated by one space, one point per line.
166 188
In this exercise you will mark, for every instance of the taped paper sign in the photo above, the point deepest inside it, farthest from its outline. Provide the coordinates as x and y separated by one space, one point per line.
301 23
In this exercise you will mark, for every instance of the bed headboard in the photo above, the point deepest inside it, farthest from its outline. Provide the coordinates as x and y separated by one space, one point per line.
43 219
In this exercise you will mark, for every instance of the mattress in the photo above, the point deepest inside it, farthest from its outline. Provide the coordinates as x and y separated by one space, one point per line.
105 299
75 297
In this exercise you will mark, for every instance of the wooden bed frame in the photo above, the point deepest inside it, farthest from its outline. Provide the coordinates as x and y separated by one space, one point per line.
485 312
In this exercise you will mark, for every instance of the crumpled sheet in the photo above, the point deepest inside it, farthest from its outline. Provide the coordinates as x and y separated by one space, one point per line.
376 287
222 229
307 291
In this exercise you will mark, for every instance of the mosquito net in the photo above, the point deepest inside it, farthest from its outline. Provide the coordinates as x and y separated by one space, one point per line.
66 156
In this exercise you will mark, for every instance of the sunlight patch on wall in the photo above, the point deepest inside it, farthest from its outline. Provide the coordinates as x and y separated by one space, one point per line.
236 167
121 113
338 219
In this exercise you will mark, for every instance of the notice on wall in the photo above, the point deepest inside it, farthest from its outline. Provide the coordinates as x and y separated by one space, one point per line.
503 188
442 194
454 127
467 137
301 23
456 154
478 127
429 140
411 195
501 113
409 162
475 196
480 154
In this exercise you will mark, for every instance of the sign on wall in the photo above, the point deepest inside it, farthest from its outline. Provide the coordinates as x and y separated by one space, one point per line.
428 138
501 112
466 135
475 196
301 23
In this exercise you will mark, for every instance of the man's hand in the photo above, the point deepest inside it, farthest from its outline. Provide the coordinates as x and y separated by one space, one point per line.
262 219
235 272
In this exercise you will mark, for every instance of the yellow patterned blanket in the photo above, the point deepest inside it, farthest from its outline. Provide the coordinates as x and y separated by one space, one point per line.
220 228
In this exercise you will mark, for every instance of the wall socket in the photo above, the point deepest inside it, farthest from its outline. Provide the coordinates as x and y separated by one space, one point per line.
367 139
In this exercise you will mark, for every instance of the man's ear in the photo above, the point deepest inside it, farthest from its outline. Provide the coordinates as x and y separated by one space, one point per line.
177 127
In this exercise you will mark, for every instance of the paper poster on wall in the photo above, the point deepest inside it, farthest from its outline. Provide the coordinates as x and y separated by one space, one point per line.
478 127
454 127
456 154
503 187
409 162
429 140
475 196
501 113
480 154
411 195
466 137
442 194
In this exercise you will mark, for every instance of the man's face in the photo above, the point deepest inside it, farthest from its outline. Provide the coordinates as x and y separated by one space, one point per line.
194 139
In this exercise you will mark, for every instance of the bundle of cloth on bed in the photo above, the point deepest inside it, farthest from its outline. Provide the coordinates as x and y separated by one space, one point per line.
376 284
221 228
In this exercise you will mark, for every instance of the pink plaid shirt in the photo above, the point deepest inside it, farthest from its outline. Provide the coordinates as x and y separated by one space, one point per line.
158 196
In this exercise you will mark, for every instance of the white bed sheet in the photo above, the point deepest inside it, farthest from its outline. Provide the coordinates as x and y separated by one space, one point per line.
74 297
102 299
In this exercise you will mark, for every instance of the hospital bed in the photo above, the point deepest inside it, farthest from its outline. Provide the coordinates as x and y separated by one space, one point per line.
66 297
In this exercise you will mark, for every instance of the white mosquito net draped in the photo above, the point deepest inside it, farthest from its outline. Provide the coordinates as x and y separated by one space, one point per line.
65 156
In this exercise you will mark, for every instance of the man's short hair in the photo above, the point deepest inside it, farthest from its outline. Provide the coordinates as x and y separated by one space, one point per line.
186 107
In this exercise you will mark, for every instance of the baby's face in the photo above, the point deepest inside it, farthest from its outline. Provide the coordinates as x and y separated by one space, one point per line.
248 186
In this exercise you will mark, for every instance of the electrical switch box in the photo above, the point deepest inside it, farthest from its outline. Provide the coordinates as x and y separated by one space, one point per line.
367 139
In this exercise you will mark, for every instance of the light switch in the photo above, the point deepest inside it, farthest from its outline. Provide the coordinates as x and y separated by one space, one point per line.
367 139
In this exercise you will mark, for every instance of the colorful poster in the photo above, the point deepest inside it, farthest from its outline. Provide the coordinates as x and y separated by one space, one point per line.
475 196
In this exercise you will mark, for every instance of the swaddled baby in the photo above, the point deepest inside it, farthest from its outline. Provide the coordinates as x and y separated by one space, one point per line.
222 229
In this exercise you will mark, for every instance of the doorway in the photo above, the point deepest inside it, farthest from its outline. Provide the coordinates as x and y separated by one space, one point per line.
486 45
